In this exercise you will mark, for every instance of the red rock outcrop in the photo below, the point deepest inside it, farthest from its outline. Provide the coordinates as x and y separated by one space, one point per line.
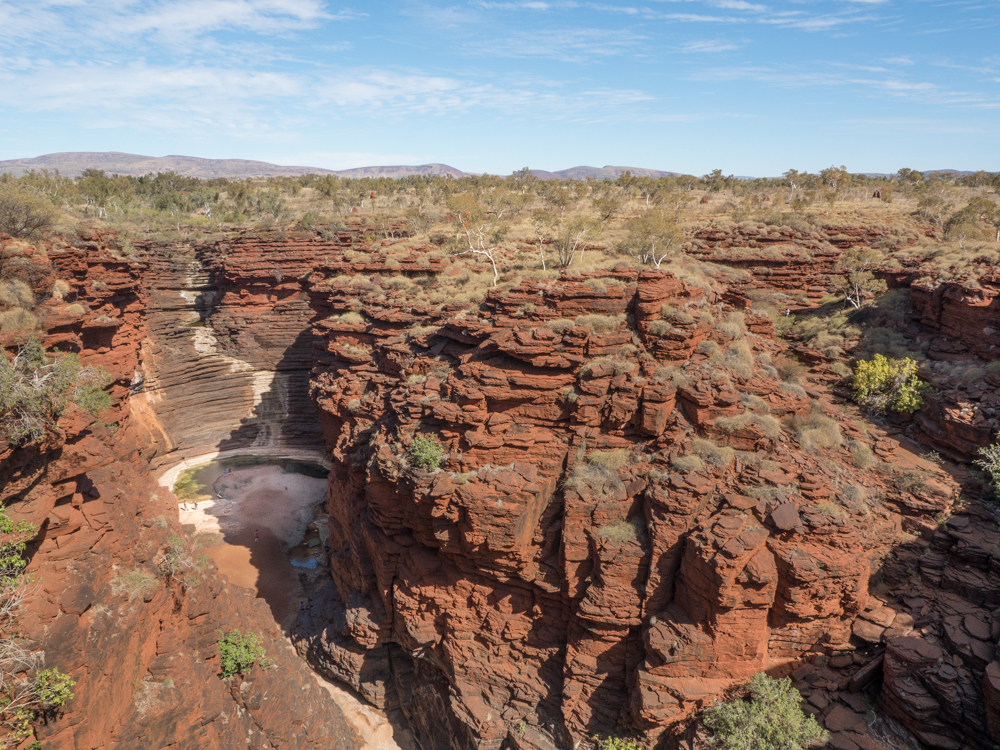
145 661
539 588
619 531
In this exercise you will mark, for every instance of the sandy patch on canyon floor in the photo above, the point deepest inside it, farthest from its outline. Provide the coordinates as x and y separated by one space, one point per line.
278 505
275 504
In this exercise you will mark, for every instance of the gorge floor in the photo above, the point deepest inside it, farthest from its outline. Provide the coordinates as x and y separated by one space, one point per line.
255 522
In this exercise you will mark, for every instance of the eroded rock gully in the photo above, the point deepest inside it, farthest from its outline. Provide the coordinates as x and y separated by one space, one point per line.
146 665
525 595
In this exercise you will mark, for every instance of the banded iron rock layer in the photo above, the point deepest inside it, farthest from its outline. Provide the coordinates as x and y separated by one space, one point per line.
492 602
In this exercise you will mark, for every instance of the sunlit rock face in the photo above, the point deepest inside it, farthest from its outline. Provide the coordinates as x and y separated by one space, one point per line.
525 594
145 660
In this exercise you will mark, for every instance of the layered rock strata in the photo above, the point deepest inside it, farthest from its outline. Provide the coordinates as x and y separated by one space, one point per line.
141 646
621 528
542 596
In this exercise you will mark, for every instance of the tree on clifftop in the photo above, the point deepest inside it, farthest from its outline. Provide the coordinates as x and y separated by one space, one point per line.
24 213
858 283
482 237
652 237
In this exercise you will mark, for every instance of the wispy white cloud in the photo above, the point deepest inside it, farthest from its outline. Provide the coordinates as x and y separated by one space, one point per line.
568 44
126 21
708 45
195 97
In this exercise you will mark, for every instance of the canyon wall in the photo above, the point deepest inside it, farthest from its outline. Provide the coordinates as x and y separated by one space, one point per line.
619 531
542 599
144 658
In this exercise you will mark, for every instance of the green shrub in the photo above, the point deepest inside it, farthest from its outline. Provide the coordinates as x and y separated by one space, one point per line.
14 536
883 384
53 689
35 391
616 743
990 463
239 651
769 718
426 452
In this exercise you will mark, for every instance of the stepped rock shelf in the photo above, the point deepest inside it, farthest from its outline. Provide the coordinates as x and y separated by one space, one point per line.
624 525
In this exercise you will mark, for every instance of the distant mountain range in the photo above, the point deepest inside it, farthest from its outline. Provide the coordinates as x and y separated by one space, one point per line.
604 173
72 164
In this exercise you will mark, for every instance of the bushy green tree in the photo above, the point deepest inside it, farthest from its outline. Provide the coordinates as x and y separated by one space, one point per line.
239 651
652 237
426 452
35 391
990 463
882 384
769 718
23 212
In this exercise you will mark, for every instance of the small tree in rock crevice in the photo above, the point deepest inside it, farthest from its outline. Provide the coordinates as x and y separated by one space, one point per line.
426 452
238 652
990 463
35 391
22 699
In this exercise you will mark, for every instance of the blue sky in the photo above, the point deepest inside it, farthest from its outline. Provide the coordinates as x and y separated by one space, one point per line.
752 88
